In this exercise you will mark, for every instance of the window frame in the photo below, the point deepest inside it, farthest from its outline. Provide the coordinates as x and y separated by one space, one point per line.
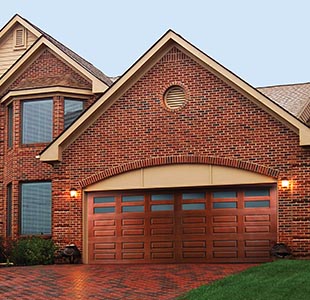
21 209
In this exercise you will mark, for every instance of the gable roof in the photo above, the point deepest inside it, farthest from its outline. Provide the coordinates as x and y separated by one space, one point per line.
54 151
295 98
99 79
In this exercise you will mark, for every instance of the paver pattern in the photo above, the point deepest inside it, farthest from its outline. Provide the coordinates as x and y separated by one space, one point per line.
111 282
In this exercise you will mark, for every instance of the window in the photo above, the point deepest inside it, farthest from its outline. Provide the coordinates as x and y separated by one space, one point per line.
37 122
10 126
36 208
73 109
9 210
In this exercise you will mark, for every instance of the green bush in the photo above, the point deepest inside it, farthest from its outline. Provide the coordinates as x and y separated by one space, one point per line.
33 251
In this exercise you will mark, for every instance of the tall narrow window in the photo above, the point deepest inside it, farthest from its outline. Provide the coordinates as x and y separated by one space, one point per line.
36 208
9 210
10 126
37 121
73 109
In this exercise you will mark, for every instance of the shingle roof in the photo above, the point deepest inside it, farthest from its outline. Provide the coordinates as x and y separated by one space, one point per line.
295 98
81 61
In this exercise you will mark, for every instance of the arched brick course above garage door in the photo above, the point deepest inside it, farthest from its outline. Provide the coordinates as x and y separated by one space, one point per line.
182 159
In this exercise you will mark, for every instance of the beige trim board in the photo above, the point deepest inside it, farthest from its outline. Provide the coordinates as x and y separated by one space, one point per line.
184 175
47 90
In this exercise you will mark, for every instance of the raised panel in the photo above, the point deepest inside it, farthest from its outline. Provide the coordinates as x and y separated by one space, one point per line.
224 219
198 254
225 243
162 255
194 244
257 218
225 254
129 222
257 229
194 220
103 246
162 231
133 255
105 256
130 232
156 221
226 229
98 233
105 222
133 245
194 230
160 245
257 254
257 243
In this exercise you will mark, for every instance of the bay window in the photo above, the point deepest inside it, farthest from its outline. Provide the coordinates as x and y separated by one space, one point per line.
37 121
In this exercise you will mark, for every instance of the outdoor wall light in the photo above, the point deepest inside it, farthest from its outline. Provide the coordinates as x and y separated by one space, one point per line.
73 192
285 183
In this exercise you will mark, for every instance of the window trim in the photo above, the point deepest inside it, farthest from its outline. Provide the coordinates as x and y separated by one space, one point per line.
23 44
9 209
10 125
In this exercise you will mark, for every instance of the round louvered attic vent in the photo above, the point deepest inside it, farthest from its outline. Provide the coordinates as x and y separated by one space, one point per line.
175 97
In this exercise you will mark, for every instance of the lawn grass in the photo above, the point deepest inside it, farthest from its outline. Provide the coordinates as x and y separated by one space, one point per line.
280 280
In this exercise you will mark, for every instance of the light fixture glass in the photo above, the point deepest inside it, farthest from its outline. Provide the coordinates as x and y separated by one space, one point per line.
285 183
73 192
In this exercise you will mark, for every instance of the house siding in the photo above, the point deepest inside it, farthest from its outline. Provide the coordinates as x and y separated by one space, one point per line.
9 55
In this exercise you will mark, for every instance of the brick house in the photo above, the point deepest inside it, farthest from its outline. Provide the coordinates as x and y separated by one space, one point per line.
178 160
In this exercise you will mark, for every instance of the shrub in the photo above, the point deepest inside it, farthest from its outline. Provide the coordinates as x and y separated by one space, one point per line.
33 251
6 246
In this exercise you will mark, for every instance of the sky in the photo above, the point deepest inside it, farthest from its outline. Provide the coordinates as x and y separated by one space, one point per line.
265 42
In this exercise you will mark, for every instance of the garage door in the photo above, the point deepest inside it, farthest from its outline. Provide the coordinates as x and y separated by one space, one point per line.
197 225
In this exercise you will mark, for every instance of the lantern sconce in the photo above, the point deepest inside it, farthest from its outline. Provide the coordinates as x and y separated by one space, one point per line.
285 183
73 192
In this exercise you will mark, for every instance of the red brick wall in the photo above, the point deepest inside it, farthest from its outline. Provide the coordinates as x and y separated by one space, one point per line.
216 121
48 70
19 163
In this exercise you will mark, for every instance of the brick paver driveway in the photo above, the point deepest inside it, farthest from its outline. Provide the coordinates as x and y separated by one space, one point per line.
142 282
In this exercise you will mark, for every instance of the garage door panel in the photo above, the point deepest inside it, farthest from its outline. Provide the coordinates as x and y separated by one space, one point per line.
224 225
225 219
104 246
133 222
102 233
162 220
225 254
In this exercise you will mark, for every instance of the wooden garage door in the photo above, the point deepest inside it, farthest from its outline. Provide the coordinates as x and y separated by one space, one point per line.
219 225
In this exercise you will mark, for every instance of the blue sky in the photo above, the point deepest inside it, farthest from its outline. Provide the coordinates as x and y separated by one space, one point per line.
265 42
